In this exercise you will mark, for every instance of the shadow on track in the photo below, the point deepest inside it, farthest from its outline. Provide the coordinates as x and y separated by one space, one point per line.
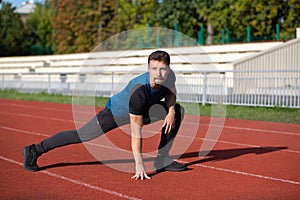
219 155
214 155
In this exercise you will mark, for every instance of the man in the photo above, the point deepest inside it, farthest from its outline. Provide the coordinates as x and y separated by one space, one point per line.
131 105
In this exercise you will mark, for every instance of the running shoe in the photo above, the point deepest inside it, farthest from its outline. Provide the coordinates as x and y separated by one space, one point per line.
30 158
165 163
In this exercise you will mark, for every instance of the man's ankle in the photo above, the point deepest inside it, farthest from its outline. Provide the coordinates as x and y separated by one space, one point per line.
39 149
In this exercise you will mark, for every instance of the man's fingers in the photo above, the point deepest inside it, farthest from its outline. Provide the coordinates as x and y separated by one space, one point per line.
168 128
133 177
136 176
146 176
140 175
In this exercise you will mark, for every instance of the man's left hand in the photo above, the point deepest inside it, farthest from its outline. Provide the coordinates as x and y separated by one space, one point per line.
169 122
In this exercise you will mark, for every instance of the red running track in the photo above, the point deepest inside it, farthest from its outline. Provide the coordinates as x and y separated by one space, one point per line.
251 160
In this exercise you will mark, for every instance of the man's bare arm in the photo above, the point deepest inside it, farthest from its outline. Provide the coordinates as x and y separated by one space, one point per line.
136 122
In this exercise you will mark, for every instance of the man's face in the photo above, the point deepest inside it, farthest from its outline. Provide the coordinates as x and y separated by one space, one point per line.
158 72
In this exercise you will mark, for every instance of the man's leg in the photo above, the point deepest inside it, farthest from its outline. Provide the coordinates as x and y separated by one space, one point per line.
98 125
101 123
166 140
163 161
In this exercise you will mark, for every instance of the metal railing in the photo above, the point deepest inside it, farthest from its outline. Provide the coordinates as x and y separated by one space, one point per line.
258 88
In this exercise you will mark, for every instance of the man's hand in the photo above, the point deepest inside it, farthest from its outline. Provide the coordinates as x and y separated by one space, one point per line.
169 122
140 172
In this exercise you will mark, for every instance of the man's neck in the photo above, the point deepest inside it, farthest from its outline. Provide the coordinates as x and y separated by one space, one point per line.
155 86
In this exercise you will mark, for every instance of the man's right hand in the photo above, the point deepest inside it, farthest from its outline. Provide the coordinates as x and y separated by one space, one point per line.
140 172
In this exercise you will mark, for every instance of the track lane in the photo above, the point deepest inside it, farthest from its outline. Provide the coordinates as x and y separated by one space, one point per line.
207 179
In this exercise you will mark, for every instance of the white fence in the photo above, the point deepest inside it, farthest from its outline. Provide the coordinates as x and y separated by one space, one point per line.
262 88
254 74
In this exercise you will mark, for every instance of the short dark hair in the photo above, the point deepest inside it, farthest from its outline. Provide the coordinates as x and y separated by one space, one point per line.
160 56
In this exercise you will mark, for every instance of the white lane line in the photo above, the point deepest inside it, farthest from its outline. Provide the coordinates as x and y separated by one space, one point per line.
209 167
215 168
220 141
237 143
38 117
183 136
45 108
23 131
255 129
188 123
249 174
77 182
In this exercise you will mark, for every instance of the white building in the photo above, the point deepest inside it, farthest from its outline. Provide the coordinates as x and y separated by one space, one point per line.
25 9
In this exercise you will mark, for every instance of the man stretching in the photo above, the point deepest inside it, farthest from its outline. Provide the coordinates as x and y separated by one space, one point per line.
131 105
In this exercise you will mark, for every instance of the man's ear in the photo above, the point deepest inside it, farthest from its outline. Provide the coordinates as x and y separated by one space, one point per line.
169 70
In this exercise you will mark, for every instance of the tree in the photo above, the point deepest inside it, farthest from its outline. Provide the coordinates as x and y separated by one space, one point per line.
136 13
205 10
40 27
291 18
261 15
181 13
72 31
80 25
108 19
133 14
12 32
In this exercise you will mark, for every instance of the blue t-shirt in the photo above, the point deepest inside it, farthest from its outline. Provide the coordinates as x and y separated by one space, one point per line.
138 96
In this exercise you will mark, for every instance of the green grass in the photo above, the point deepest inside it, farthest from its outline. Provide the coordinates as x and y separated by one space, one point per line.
276 114
44 97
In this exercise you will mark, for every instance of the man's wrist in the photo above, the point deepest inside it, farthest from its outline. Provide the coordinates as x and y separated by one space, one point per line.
172 110
138 158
